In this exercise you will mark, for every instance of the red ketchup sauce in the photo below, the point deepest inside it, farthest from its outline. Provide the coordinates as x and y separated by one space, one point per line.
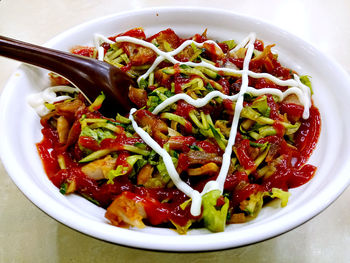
157 212
288 173
163 204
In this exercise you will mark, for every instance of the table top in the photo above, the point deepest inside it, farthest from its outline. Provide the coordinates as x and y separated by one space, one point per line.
29 235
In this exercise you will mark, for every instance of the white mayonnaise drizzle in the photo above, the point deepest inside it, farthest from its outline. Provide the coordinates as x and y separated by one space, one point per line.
243 43
226 158
169 56
98 40
166 55
181 185
38 100
296 87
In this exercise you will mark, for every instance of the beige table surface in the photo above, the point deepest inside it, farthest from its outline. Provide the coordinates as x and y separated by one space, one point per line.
29 235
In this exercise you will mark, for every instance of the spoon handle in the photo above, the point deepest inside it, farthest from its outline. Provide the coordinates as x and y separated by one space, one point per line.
91 76
58 61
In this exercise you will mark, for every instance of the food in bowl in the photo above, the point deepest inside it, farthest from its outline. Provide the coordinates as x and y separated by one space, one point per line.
218 130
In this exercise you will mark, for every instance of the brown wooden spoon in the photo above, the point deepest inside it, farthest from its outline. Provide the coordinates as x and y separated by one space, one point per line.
91 76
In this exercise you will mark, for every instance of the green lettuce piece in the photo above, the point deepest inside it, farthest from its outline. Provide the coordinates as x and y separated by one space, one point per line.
140 145
143 84
214 218
121 170
267 131
63 188
159 92
153 158
122 119
230 43
49 106
182 230
136 162
253 206
250 113
209 87
95 155
162 169
98 102
97 134
131 160
307 82
134 149
261 105
153 102
283 195
139 164
219 137
174 117
137 167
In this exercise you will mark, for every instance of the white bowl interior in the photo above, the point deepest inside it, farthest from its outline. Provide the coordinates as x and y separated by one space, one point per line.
20 129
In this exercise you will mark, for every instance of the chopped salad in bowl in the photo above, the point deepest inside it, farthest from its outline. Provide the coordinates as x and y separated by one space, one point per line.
218 130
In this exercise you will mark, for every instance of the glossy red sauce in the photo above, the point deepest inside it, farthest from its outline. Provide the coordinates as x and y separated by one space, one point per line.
135 32
169 36
199 38
158 212
259 45
293 111
208 147
48 157
104 194
244 193
307 135
274 108
232 180
242 152
279 128
179 80
224 47
238 62
289 173
163 204
83 51
225 85
183 109
183 162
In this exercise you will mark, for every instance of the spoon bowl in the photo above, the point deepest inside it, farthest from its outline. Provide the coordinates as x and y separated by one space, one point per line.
89 75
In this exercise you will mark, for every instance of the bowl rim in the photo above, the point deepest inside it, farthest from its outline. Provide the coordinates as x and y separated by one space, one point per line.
137 239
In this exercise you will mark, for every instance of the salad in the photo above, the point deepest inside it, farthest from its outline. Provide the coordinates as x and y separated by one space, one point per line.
218 130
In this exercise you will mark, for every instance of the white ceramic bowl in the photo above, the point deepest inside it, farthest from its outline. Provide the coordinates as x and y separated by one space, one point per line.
20 130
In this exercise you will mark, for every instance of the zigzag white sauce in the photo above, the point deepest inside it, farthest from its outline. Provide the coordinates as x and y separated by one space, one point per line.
295 87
